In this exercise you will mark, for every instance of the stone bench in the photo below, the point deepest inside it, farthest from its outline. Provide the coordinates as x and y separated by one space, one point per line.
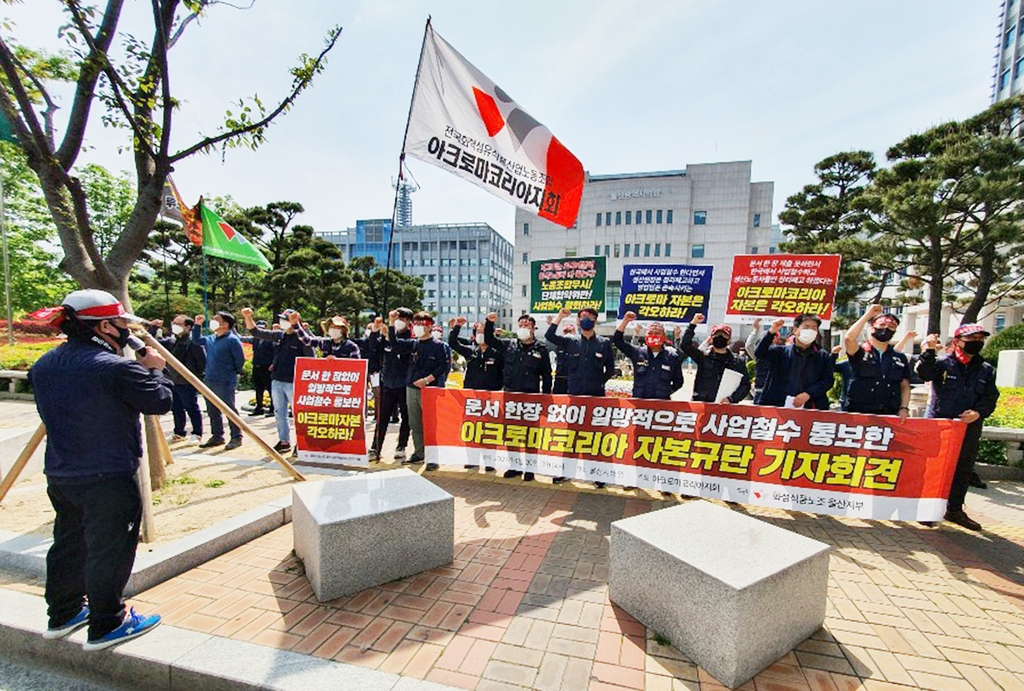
356 532
729 591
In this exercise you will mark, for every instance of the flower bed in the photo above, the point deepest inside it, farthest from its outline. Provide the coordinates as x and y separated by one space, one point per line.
1009 413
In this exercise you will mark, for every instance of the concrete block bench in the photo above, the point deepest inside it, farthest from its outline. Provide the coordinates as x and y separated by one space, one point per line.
729 591
363 530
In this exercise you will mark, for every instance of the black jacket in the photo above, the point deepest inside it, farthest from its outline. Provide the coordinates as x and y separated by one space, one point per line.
710 367
287 348
484 368
426 357
527 366
654 376
593 361
875 380
956 387
187 352
792 370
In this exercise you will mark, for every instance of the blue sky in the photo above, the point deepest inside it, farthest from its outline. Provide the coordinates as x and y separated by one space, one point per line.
626 86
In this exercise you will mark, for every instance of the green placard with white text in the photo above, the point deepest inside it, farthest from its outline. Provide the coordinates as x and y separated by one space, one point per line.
572 283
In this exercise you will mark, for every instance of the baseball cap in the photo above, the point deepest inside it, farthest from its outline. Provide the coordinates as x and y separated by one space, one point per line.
970 330
724 328
338 320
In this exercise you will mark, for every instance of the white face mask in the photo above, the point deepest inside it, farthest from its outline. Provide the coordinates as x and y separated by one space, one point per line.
524 334
284 324
214 325
436 335
417 331
178 329
807 336
480 340
400 325
334 333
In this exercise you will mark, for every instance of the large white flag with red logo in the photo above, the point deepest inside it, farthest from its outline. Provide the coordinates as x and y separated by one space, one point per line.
463 122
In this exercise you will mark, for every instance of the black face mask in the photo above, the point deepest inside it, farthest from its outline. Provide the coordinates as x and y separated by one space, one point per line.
122 335
883 335
720 341
972 347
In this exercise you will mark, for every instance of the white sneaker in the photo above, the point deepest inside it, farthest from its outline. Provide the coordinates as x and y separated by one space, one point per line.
175 438
399 454
195 439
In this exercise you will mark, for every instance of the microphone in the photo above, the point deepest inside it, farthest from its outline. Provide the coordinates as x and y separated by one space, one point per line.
136 344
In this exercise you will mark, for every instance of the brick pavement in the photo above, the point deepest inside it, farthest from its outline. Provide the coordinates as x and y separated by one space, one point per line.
524 605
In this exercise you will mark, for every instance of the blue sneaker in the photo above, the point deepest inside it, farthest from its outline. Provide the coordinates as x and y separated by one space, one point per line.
70 626
134 625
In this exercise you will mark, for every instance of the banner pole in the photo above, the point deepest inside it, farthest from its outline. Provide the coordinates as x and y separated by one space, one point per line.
401 172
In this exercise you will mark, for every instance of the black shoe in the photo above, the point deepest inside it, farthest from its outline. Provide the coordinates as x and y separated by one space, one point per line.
470 466
211 442
431 466
489 469
269 413
558 480
255 412
600 485
976 482
282 447
527 477
233 444
629 489
512 473
928 524
666 494
962 520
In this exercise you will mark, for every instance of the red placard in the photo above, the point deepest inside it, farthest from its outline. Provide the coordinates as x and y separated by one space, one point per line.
782 285
330 397
844 464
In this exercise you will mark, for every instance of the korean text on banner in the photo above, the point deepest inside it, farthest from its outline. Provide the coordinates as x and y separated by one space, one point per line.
573 283
330 395
804 460
463 122
783 285
665 292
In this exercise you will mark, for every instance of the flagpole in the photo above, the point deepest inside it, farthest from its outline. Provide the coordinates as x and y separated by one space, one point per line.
7 265
401 171
206 302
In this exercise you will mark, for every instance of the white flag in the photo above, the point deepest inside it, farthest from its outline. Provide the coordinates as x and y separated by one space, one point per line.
463 122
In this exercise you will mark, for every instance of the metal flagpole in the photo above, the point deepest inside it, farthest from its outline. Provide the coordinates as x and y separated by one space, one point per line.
7 263
401 171
206 302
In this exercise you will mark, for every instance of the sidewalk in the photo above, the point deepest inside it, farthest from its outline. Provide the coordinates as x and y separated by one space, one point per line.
524 605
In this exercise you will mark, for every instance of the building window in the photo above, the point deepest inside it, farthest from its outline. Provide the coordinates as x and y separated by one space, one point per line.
771 250
526 229
668 216
616 250
608 218
598 220
757 220
753 250
627 250
700 218
639 216
570 251
629 218
697 251
526 257
618 218
1004 79
524 291
657 249
636 250
1009 38
650 215
647 249
597 250
607 251
612 295
1018 68
1000 322
658 217
668 249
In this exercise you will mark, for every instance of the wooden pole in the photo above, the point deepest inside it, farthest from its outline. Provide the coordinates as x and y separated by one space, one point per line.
22 460
147 531
154 454
223 407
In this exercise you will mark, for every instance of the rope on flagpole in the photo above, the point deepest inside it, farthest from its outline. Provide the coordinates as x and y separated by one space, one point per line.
401 172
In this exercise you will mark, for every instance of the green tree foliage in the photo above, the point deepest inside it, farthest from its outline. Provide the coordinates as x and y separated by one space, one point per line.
126 82
402 290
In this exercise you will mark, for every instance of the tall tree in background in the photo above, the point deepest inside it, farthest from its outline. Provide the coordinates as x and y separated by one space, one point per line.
130 82
825 218
403 290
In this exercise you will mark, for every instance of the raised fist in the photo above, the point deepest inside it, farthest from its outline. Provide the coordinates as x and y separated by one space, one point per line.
294 318
629 317
199 320
492 317
777 324
931 342
698 319
461 321
874 311
247 311
563 313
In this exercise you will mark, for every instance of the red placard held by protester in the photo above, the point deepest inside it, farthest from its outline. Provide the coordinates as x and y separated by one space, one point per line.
842 464
330 396
782 285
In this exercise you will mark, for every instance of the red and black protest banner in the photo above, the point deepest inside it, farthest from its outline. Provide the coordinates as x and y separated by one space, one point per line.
782 285
330 396
841 464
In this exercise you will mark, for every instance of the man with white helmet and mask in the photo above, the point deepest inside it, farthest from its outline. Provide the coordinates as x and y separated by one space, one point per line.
224 361
800 374
89 397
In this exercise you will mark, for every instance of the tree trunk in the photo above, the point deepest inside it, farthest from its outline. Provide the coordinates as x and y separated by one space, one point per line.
935 287
986 279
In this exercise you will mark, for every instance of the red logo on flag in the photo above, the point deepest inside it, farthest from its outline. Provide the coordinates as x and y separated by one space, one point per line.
228 231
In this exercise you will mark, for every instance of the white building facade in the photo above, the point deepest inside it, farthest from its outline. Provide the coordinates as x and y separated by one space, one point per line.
703 215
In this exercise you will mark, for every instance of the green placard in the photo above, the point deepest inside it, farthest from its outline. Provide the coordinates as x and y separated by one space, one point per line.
572 283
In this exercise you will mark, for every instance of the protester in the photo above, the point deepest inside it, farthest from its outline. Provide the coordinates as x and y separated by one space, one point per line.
429 366
880 374
657 368
89 397
799 375
527 367
336 344
964 387
262 359
186 398
288 346
437 333
224 361
369 350
394 371
564 362
484 364
712 365
593 359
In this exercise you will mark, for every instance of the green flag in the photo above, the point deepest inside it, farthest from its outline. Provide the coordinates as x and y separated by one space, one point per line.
221 240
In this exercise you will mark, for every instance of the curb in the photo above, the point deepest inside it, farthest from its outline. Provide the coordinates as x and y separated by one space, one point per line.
177 659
